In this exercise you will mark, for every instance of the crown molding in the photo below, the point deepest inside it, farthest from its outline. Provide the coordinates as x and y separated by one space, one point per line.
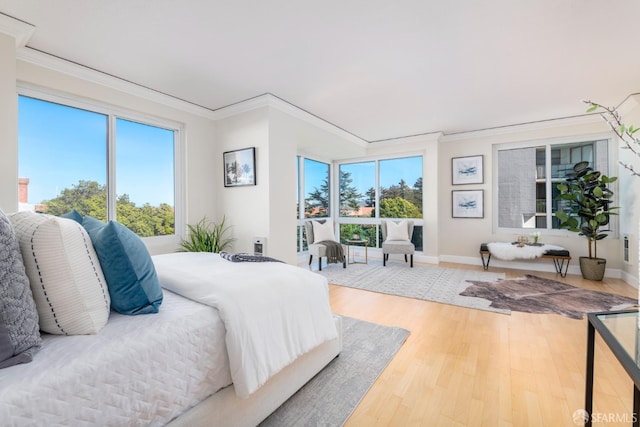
270 100
630 103
524 127
318 122
19 30
63 66
421 138
240 107
60 65
22 32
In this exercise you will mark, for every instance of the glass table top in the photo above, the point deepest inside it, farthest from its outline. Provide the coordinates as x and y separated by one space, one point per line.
621 330
624 327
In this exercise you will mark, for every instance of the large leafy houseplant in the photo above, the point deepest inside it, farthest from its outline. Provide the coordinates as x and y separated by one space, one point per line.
206 236
589 209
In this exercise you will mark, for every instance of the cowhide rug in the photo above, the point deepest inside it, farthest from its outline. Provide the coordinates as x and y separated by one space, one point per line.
532 294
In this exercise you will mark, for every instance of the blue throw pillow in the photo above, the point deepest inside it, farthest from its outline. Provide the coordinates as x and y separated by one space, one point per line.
127 266
74 215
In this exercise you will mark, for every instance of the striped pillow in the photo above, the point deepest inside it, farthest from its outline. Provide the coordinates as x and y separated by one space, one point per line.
67 282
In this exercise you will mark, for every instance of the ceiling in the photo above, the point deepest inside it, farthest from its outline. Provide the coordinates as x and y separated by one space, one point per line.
377 69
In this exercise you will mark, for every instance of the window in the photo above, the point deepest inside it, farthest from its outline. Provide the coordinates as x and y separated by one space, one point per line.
98 163
145 178
399 194
375 189
314 180
316 188
527 193
358 189
401 188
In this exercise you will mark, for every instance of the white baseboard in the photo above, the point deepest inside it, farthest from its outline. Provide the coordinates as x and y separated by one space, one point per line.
631 280
534 265
537 265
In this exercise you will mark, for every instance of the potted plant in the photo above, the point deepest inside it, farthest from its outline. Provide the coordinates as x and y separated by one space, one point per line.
588 212
206 236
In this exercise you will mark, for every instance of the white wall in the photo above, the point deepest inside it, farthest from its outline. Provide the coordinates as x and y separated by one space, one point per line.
268 209
469 233
8 125
629 189
283 142
290 136
246 208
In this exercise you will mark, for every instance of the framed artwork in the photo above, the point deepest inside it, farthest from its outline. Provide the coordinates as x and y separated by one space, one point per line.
467 203
467 170
240 167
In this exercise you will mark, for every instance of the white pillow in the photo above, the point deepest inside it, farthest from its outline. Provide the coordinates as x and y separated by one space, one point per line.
397 231
66 280
322 232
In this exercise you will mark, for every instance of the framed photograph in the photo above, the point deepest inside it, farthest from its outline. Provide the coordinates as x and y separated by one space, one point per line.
467 203
240 167
467 170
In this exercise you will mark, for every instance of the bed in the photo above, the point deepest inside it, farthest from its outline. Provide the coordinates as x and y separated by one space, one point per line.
172 367
288 291
146 370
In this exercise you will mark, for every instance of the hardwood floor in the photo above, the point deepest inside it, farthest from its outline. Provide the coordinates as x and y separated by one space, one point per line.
464 367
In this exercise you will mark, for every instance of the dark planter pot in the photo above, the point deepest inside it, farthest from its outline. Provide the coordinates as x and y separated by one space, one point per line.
592 268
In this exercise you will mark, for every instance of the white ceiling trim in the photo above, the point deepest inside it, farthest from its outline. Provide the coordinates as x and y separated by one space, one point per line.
22 32
394 142
19 30
270 100
241 107
303 115
630 103
88 74
524 127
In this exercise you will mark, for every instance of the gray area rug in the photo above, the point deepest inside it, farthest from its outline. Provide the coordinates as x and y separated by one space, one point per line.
429 283
531 294
330 397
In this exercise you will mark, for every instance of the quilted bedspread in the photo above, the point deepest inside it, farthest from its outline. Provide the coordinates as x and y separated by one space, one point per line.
138 370
273 312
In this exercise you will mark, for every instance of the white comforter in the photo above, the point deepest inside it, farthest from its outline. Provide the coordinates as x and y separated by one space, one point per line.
273 312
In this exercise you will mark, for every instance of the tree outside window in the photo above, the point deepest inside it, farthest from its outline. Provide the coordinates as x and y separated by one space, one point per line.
63 166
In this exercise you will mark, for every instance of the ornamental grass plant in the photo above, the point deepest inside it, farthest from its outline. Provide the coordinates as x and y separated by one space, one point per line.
207 236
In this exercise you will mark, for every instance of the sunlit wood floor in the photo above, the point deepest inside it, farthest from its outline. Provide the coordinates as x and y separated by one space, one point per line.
464 367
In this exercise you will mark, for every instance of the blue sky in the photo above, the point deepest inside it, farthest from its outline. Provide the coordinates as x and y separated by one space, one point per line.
60 145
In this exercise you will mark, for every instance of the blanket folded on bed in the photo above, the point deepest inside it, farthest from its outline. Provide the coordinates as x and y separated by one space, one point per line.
273 312
243 257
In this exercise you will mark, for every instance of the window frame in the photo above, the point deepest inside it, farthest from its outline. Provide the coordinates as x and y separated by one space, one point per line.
302 219
113 113
548 143
377 220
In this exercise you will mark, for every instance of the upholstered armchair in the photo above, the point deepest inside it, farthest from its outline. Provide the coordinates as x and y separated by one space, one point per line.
318 249
396 239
